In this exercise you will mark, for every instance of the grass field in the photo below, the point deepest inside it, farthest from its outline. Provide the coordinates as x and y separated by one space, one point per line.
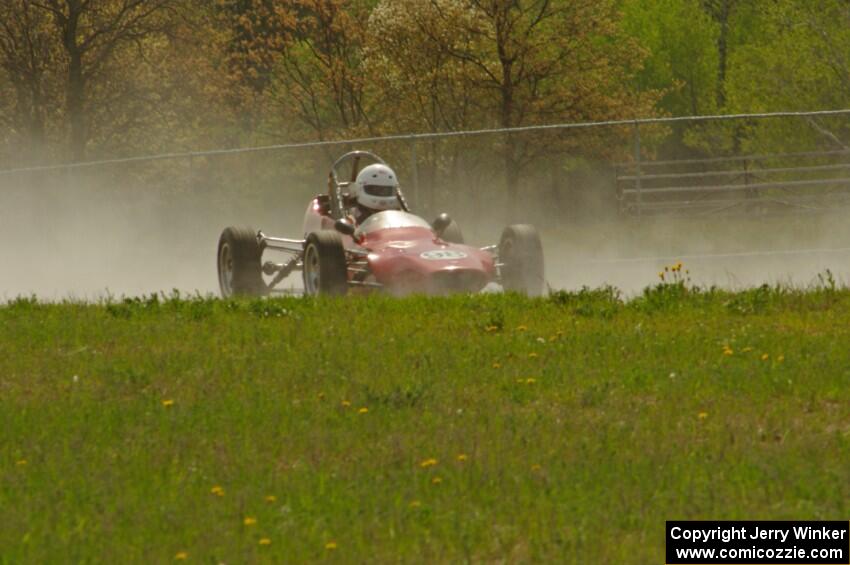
491 428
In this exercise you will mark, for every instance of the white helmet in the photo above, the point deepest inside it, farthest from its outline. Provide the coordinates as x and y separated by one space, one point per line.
376 187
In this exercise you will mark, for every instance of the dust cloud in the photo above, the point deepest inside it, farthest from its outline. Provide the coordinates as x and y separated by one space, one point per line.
63 238
731 253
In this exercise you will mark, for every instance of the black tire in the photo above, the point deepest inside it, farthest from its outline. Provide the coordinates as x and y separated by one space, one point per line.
239 269
325 270
521 255
452 233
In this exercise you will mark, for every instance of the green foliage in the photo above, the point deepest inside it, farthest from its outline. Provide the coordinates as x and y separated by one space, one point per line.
675 290
682 59
603 302
484 428
755 300
264 71
798 62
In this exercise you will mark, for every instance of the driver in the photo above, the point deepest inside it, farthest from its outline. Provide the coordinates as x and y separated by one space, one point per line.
375 190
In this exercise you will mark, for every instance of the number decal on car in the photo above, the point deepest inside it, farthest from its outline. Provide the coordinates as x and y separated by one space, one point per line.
442 255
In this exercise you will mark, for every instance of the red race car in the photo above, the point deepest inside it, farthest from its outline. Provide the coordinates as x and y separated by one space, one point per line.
348 247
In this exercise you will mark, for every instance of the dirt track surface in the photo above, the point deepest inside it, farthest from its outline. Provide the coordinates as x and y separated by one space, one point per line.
65 242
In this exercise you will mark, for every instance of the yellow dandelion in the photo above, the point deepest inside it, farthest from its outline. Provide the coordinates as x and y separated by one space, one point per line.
497 365
436 480
415 504
702 415
728 350
21 462
363 410
522 328
781 358
181 556
661 275
428 463
249 521
217 490
462 457
265 541
271 498
536 467
765 356
330 545
532 355
679 266
491 329
746 349
346 403
168 402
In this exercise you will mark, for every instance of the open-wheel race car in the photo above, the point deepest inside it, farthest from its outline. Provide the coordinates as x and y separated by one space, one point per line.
382 246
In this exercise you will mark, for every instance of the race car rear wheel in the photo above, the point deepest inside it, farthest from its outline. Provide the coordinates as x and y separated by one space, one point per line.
521 258
325 269
239 268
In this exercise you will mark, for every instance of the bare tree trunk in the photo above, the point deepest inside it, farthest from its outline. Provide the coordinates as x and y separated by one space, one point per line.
722 52
721 12
75 100
76 88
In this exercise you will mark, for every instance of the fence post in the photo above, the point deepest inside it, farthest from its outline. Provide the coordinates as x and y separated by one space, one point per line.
637 170
414 168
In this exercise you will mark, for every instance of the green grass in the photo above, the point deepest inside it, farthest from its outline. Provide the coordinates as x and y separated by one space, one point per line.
585 423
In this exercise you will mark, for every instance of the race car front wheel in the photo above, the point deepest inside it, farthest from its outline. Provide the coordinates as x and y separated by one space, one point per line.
239 268
521 258
325 269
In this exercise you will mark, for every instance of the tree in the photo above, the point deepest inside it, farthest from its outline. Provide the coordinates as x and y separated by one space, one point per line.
92 35
536 61
258 32
800 62
421 86
28 59
319 77
721 12
682 55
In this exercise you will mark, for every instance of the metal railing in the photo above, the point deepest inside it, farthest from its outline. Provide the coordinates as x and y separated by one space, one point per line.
152 221
644 186
813 180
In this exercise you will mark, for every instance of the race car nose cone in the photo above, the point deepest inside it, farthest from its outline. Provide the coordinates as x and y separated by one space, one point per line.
455 279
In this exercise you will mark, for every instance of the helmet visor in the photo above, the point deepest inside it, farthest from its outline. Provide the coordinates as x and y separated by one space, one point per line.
379 190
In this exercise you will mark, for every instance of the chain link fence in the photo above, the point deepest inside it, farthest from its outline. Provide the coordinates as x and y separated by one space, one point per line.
600 192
